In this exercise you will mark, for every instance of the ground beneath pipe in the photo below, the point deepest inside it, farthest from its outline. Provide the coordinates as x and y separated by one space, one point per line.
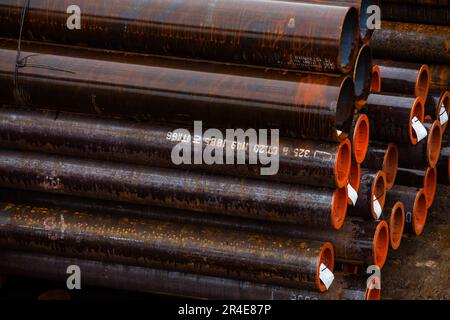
420 268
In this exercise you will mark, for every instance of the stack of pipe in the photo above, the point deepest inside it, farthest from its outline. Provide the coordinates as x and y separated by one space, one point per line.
411 51
90 119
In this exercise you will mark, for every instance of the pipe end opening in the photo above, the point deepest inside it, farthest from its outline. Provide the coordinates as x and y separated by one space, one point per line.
397 225
378 192
423 82
381 244
343 163
339 208
430 185
390 165
327 258
420 212
361 138
418 111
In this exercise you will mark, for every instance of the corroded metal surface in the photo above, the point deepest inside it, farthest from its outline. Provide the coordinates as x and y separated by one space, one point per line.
299 105
403 78
169 188
269 33
396 126
300 161
352 244
132 278
412 42
157 244
364 207
416 13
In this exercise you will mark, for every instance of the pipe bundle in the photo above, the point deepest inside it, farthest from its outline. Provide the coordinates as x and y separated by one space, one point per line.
91 119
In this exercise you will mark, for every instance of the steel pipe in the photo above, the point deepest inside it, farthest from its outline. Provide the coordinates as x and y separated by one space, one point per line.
299 105
371 195
382 156
359 242
174 188
132 278
425 179
360 136
437 107
268 33
397 127
425 153
415 203
299 161
406 79
394 215
416 13
411 42
158 244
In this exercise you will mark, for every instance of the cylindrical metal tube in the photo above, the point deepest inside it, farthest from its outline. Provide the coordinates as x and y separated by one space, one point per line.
411 42
415 203
437 107
299 161
371 195
358 242
394 215
425 153
426 179
360 136
174 188
362 6
402 78
165 245
299 105
440 77
383 156
362 75
132 278
268 33
397 127
416 13
437 3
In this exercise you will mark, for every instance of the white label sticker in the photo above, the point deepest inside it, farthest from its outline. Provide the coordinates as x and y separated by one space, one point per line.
377 207
421 131
326 276
339 132
352 194
443 116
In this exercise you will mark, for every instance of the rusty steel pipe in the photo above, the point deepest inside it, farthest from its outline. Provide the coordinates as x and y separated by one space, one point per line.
415 203
365 33
139 279
300 161
437 107
383 156
299 105
267 33
371 195
440 77
411 42
360 136
426 179
358 242
425 153
158 244
423 14
174 188
397 127
394 215
403 78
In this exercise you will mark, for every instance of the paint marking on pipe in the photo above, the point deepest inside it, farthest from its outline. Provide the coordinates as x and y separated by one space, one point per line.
443 116
421 131
352 194
377 207
326 276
